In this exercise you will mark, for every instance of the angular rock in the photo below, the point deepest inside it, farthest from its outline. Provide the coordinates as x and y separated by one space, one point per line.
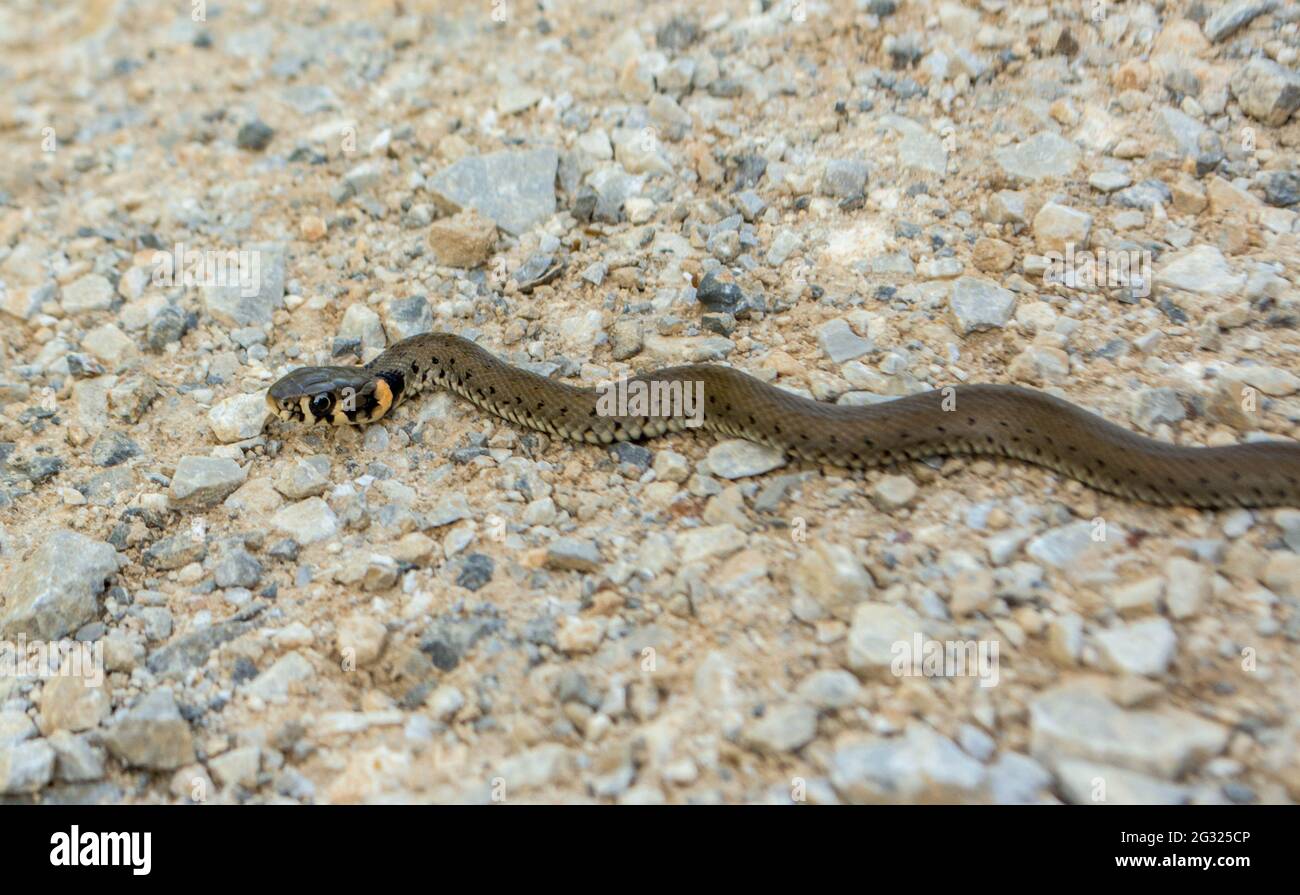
1042 156
201 482
1076 721
515 188
55 590
25 767
737 458
1267 92
306 521
151 734
876 631
919 767
977 304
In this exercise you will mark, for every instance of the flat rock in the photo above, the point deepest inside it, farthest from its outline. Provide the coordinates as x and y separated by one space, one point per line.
1076 721
783 728
573 554
1202 270
1267 92
274 682
238 417
921 766
840 342
1229 19
1042 156
55 590
306 521
1089 783
832 577
876 629
252 303
151 734
204 481
1145 647
25 767
978 304
514 189
736 458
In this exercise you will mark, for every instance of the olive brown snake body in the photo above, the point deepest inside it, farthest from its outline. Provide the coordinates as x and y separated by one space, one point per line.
997 420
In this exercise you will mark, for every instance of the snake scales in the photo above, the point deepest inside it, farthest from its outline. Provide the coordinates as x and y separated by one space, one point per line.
997 420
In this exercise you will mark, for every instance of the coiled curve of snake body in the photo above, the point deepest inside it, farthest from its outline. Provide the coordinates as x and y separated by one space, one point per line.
995 420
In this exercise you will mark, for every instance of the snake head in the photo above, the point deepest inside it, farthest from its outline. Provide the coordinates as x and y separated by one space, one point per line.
339 396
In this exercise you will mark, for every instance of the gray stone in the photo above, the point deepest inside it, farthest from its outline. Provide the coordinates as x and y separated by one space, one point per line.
840 342
876 629
1154 406
1065 545
783 728
1229 19
307 521
831 577
55 590
112 448
254 135
830 688
515 189
15 727
1145 647
1040 157
1089 783
235 305
204 481
192 649
1202 270
919 767
274 683
783 246
979 304
406 317
1076 721
77 760
1016 779
237 568
238 417
1109 181
1144 195
844 178
736 458
1266 91
306 477
151 734
174 552
1184 130
87 294
572 554
25 767
238 767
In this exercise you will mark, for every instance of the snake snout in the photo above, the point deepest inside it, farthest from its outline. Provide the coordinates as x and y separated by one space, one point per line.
338 396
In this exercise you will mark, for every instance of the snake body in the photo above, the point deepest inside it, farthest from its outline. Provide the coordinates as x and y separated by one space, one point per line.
995 420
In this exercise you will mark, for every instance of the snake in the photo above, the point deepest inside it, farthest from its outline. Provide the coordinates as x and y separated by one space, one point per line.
996 420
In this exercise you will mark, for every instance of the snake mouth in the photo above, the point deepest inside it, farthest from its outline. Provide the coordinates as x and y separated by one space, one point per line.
335 396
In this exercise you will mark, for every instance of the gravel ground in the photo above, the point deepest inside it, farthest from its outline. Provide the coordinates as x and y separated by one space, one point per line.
853 200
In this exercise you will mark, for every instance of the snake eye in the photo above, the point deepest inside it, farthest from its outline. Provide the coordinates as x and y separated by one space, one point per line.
320 404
